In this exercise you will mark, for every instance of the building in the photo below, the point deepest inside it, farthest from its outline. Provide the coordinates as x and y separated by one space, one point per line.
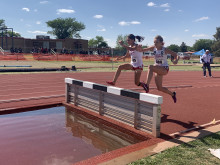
74 45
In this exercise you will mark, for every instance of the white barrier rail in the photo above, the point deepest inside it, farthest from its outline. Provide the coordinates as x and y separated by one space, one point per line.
140 110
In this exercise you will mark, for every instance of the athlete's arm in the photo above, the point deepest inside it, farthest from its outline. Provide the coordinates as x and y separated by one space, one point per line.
128 47
123 57
140 49
174 54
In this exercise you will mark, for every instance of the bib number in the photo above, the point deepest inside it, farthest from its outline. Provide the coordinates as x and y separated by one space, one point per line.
134 60
159 61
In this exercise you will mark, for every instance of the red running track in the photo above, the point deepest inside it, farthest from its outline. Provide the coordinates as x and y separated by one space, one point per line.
197 97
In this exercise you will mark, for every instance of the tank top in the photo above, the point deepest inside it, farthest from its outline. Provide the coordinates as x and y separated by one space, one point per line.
136 58
160 57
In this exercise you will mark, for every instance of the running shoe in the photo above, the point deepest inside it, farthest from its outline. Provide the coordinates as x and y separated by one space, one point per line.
145 86
110 83
174 97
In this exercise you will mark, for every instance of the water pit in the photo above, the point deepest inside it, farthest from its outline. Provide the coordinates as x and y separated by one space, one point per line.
55 136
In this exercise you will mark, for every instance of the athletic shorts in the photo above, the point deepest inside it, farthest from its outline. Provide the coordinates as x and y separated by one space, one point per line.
167 68
139 67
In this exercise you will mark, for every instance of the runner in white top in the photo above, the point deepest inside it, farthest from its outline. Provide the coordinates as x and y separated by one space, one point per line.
160 57
161 67
136 60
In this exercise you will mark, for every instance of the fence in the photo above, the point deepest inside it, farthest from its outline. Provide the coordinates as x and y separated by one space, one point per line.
140 110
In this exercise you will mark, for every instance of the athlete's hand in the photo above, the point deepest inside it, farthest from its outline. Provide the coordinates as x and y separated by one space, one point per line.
176 61
139 48
121 42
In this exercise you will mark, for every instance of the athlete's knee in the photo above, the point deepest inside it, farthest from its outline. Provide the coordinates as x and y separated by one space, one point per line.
120 67
159 88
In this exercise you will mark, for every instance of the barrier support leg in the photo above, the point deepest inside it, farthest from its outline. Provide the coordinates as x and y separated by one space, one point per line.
67 93
101 103
136 110
76 91
156 120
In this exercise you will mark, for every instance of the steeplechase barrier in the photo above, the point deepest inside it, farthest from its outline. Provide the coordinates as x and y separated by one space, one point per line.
139 110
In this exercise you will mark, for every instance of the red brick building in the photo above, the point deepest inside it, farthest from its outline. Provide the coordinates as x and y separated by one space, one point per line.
75 45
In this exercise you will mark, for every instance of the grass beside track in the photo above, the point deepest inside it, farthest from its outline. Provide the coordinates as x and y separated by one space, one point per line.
192 153
93 66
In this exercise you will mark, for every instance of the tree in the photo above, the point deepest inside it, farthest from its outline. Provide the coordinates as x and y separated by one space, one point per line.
92 43
2 23
183 47
8 33
189 48
121 38
202 44
216 45
174 48
97 42
14 34
65 28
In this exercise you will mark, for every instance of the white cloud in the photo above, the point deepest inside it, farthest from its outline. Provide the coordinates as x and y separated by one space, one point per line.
186 30
123 23
153 30
199 35
44 2
180 11
135 22
37 32
38 22
166 10
151 4
202 19
101 30
35 10
165 5
26 9
69 11
98 16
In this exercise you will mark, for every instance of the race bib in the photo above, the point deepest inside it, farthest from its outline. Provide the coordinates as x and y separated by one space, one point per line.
159 61
134 60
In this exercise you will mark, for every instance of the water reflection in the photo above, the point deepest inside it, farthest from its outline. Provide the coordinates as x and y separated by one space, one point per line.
99 135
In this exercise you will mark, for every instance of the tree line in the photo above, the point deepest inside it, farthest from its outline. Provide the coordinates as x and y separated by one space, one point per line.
70 28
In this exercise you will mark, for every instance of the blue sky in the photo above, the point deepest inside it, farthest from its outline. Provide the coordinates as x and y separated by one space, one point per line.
176 20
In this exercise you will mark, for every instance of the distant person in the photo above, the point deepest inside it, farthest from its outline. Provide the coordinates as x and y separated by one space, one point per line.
206 60
136 60
160 67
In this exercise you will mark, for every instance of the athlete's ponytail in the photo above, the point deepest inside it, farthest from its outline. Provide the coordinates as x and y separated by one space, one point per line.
133 37
139 38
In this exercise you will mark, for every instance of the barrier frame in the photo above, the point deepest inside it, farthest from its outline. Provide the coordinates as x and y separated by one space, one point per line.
139 110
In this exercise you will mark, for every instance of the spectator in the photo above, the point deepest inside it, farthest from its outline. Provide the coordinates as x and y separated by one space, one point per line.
206 60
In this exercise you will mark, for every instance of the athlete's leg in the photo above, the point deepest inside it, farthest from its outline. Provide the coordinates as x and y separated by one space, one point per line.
155 69
158 81
137 76
120 68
